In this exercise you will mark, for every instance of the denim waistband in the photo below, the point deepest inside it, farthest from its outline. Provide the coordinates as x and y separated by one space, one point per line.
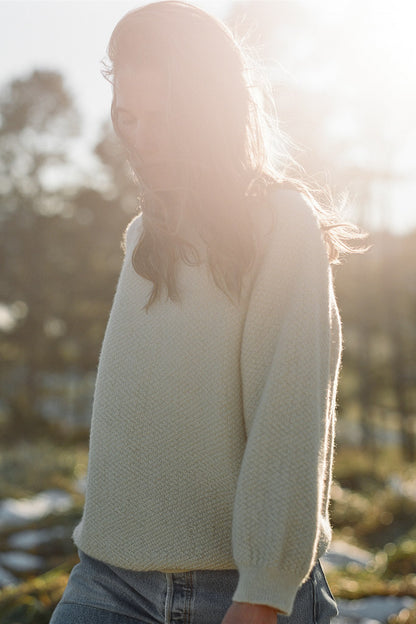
189 597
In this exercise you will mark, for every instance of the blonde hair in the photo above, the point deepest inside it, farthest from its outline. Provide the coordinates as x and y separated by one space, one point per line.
228 147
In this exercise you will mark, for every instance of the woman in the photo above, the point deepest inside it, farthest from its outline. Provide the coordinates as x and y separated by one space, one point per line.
213 420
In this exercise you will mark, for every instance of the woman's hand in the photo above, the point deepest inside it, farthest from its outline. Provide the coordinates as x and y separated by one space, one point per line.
247 613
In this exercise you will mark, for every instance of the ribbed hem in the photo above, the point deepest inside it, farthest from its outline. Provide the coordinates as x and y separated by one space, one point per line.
267 586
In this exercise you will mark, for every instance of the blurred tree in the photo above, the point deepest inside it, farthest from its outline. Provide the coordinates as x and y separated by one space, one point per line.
397 269
378 306
61 250
37 117
37 120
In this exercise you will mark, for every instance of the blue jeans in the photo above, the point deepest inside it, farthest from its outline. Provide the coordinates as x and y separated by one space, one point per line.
98 593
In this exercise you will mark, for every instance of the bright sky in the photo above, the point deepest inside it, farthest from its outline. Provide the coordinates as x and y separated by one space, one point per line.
72 35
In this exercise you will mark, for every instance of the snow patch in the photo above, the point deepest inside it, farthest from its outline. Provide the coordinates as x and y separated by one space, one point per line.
341 554
25 540
376 609
21 561
19 512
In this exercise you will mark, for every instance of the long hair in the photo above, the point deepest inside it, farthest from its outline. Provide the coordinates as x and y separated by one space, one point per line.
228 149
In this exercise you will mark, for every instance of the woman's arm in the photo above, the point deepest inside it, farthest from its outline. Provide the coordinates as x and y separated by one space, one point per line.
289 365
246 613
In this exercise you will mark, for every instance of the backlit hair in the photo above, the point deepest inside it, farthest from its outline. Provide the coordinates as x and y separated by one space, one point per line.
228 151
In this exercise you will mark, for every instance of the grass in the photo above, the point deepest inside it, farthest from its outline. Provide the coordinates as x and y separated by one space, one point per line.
34 600
26 468
367 471
367 511
365 506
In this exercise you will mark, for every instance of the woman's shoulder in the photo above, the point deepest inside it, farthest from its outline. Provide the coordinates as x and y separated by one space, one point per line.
292 254
292 208
290 239
287 217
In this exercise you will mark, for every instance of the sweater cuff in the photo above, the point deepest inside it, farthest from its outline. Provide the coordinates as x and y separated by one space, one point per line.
267 586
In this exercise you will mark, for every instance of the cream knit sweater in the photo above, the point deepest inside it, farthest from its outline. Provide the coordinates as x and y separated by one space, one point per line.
212 429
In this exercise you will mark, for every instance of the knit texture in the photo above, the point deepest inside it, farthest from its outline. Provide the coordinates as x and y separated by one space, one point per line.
212 428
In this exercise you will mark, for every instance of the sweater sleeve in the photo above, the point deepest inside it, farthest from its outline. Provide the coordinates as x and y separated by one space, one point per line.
289 379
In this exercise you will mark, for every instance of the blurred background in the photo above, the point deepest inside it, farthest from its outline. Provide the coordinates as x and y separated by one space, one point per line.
344 76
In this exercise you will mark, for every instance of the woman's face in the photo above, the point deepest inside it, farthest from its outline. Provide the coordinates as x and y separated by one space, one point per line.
141 101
